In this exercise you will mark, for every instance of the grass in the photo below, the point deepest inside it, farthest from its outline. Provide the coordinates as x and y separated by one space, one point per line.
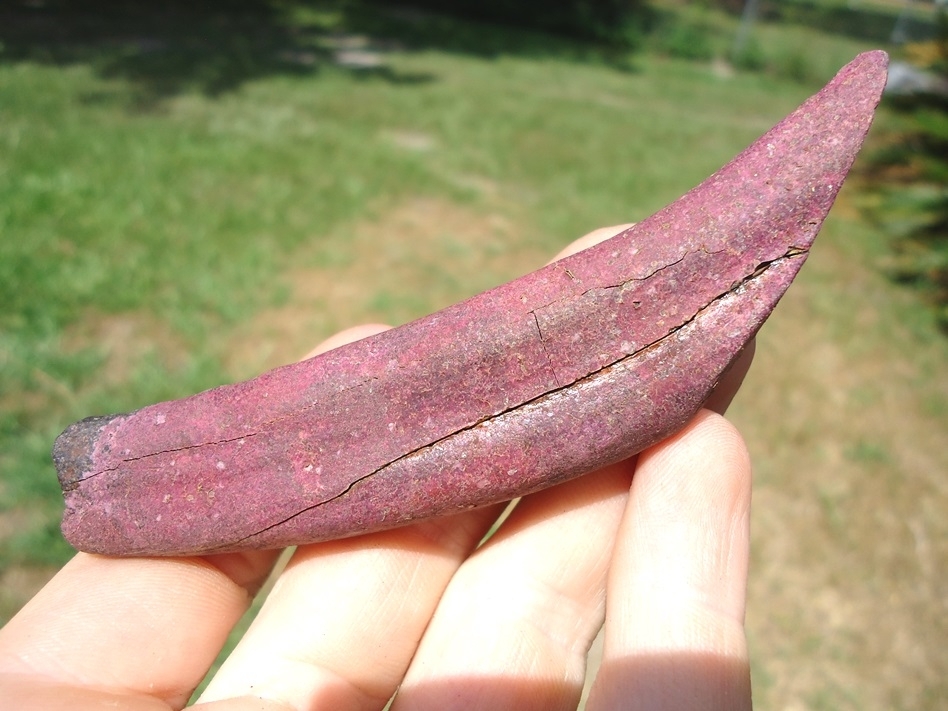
187 214
169 224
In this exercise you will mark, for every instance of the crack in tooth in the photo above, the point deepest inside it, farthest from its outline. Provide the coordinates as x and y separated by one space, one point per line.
791 253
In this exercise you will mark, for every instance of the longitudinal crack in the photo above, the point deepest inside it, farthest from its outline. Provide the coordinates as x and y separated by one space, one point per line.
262 427
756 273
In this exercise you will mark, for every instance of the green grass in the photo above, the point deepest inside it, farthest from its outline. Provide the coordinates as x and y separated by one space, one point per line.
186 209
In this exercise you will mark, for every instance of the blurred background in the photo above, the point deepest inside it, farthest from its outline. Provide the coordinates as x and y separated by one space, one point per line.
191 193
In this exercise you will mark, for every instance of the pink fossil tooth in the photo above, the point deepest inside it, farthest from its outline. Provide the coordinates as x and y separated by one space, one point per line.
577 365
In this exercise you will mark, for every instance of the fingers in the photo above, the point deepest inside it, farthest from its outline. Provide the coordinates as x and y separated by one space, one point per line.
674 636
119 626
515 625
343 620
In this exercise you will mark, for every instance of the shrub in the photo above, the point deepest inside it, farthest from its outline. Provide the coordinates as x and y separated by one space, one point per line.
608 20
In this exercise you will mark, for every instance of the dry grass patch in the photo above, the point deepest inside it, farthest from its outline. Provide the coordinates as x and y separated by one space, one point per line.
374 275
847 603
124 340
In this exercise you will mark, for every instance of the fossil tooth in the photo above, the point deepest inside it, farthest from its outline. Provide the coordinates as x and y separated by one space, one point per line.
574 366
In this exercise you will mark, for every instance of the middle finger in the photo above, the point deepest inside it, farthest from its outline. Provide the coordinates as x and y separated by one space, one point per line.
515 624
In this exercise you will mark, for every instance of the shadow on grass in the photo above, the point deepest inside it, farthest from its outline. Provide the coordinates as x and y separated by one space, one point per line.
855 20
177 46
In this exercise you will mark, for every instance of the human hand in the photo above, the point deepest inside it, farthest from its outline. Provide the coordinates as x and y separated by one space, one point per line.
657 546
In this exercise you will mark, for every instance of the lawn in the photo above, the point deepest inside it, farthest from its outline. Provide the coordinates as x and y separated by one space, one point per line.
180 208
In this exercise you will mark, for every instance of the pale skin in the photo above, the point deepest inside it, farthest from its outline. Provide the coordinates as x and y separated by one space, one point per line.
654 548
